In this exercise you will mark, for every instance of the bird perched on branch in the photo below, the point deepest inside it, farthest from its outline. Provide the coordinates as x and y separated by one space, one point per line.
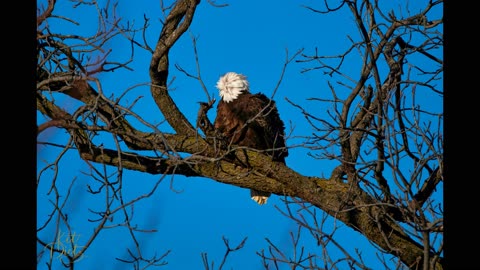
249 120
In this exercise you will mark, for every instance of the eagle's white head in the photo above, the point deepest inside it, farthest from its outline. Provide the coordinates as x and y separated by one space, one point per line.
231 85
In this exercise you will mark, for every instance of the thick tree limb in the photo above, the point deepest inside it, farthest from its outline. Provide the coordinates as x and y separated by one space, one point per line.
353 207
177 22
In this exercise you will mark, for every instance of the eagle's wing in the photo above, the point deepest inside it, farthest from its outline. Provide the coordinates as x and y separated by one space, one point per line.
268 125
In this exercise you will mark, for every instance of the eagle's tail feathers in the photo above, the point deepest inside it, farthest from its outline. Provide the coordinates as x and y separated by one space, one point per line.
259 197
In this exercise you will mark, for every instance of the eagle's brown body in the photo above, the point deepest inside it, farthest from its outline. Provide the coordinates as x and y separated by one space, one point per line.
250 120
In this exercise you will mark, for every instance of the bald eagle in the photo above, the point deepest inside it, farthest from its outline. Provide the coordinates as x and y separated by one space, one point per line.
249 120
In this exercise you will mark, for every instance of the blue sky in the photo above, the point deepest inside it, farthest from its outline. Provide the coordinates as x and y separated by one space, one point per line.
249 37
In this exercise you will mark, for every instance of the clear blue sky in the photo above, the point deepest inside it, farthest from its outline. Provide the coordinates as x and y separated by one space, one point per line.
249 37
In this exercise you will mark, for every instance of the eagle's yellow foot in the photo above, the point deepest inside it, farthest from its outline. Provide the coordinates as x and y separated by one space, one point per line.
260 199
